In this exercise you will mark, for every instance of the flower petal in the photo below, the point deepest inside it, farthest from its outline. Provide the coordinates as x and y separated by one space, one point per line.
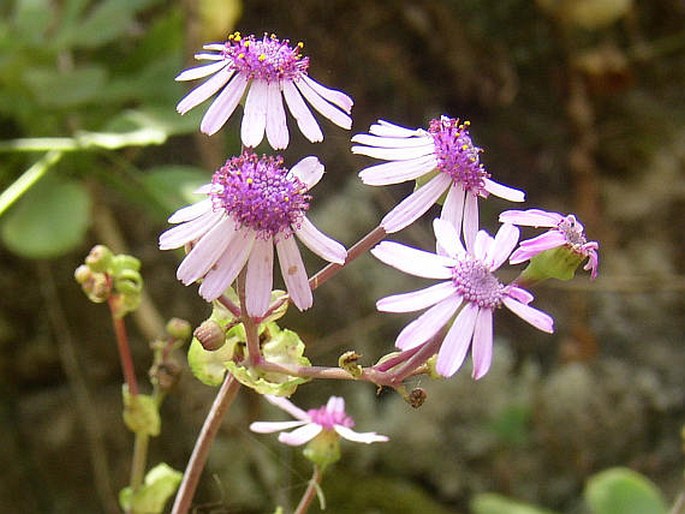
531 218
304 117
531 247
287 406
276 126
254 119
309 170
206 252
192 211
393 142
294 274
386 129
502 191
416 204
470 220
259 277
481 348
359 437
395 172
447 238
428 324
202 92
413 261
193 230
453 207
269 427
300 435
538 319
228 266
416 300
395 153
457 341
320 243
332 95
505 240
223 105
326 109
202 71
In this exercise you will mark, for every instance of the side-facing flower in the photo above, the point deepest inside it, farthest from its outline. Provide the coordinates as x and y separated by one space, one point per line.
252 204
330 417
269 69
469 289
446 151
563 230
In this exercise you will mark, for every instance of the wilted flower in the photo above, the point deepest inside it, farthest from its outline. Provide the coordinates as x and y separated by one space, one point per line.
470 290
268 69
563 230
330 417
446 148
252 204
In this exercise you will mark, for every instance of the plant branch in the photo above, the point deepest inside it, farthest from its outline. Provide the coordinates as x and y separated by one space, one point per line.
311 492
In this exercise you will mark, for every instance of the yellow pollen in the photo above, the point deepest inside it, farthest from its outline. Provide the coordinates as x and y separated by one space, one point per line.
464 147
249 181
467 123
247 43
241 55
300 44
261 57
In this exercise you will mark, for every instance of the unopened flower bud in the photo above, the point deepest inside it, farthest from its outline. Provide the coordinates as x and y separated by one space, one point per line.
166 374
82 274
128 282
96 286
211 335
123 262
179 329
99 259
416 397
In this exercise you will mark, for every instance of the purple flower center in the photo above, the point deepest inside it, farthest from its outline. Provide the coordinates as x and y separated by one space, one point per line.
329 418
268 59
476 284
573 231
259 193
457 155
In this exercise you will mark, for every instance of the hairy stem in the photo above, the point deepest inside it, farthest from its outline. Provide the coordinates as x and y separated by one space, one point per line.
198 458
311 491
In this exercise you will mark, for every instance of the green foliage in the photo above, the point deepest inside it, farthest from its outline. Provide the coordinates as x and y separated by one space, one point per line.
49 221
141 413
490 503
623 491
160 484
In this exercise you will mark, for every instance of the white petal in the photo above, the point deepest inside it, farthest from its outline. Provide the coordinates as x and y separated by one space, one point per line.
304 117
199 72
287 406
300 435
428 324
294 274
481 245
416 300
414 261
538 319
189 231
395 154
453 207
276 126
531 218
394 172
269 427
228 266
223 105
254 120
391 142
359 437
327 110
319 243
192 211
502 191
470 220
457 341
309 170
259 278
481 348
505 240
204 91
416 204
447 238
386 129
332 95
206 252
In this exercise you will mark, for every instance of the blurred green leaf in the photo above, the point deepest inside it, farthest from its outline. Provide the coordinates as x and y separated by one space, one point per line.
48 221
20 186
490 503
141 413
77 87
173 186
160 484
623 491
32 18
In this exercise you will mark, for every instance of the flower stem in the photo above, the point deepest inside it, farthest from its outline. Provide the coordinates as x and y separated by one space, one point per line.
124 350
139 463
360 247
679 505
311 492
198 458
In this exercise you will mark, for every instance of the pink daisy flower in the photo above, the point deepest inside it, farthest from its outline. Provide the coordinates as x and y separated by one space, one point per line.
446 148
252 204
470 290
563 231
269 70
309 424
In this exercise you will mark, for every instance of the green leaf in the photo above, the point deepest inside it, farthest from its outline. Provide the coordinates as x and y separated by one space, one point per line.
173 186
623 491
209 367
490 503
141 413
49 221
32 19
77 87
161 482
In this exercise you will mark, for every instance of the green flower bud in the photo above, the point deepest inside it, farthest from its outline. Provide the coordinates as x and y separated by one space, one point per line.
123 262
128 282
179 329
99 259
324 449
82 274
560 263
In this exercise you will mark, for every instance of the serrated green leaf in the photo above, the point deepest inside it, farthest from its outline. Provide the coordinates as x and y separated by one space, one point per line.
48 221
141 413
161 482
490 503
623 491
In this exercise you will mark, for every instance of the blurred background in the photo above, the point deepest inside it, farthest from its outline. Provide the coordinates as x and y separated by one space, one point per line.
578 102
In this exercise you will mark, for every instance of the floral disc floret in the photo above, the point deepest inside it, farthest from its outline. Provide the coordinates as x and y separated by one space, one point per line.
269 59
259 193
475 284
456 154
329 418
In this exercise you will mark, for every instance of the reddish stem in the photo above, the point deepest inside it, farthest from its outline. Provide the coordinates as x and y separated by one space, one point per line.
124 349
310 493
